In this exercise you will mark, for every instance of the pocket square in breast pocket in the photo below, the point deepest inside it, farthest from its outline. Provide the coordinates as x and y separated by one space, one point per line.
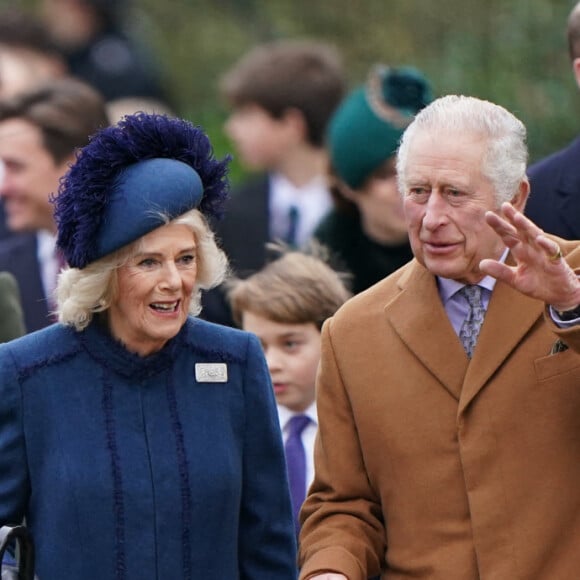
558 346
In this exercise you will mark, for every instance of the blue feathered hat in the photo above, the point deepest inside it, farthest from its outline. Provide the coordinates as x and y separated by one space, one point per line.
126 176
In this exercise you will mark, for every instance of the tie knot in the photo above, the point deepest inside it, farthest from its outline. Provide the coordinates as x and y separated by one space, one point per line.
472 294
297 424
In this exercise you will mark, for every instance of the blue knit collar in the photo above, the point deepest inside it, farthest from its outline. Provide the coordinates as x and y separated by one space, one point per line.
111 354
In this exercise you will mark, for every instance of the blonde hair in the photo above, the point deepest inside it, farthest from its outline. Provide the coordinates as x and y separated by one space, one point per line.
81 293
295 288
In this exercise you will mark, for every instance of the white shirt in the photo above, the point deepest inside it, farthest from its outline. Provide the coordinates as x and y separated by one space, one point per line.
312 200
48 263
308 435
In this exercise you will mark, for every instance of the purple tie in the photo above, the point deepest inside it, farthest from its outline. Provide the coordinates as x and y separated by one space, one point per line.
296 462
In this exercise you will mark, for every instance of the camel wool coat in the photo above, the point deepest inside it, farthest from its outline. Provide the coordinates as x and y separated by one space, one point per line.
430 466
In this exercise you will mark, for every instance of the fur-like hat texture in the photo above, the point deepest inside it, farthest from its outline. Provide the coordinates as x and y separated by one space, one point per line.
87 192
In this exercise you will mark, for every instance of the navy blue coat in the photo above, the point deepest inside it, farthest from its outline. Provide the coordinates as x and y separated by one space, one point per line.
128 468
554 202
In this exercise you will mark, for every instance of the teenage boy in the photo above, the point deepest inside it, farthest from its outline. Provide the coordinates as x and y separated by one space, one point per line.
281 96
285 304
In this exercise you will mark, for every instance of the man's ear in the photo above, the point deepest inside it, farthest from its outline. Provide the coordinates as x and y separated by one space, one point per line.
521 197
295 118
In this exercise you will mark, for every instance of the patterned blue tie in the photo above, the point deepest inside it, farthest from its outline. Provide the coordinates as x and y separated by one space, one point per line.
474 320
296 463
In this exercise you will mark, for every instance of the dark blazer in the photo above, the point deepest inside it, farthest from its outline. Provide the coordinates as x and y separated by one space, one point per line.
4 231
243 234
245 228
11 317
169 466
18 255
554 201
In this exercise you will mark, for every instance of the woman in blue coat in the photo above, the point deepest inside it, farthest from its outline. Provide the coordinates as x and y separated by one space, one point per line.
137 441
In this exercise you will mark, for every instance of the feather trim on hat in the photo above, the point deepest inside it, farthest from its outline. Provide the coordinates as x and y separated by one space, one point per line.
85 190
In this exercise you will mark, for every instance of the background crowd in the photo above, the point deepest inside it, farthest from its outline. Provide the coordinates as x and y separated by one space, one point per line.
509 52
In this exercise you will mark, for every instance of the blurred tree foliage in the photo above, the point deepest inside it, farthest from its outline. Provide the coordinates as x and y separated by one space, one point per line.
512 52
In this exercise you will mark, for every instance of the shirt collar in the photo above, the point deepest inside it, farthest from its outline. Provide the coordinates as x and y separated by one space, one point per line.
448 287
311 195
46 245
285 414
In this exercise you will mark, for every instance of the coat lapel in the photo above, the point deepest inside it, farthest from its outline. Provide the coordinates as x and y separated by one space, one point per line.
419 319
417 315
509 317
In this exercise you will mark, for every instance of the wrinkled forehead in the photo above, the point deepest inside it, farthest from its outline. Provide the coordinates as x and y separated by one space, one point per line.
447 146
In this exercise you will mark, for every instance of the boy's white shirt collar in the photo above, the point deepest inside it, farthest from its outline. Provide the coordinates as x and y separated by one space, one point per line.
313 201
285 414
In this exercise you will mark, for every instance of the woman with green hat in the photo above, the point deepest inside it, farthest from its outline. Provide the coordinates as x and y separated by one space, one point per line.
366 231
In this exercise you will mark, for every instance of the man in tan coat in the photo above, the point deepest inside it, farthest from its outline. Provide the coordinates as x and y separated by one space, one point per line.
450 449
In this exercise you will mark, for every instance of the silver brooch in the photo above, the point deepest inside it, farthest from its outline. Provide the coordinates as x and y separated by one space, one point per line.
211 372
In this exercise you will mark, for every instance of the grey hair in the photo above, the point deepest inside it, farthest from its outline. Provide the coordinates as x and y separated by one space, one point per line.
81 293
505 160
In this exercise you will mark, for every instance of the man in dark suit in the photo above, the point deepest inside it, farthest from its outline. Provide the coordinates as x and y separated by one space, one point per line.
554 202
39 133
